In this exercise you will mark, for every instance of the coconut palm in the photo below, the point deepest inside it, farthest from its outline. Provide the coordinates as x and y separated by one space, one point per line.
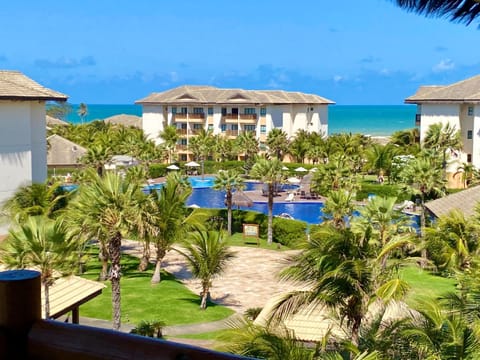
458 11
299 146
269 171
103 209
277 143
423 179
228 181
380 158
388 227
170 137
223 148
469 174
335 270
98 154
442 138
247 144
453 241
408 140
338 208
42 244
82 112
207 255
37 199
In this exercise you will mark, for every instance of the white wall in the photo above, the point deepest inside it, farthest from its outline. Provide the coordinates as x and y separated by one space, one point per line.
22 145
476 137
152 121
438 113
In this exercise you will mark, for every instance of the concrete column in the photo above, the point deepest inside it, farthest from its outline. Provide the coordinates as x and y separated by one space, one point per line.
20 307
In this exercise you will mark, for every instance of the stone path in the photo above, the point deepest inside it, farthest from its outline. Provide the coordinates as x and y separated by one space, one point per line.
250 279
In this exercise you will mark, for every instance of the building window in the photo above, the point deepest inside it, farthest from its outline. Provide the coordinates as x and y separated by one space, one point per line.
174 110
183 126
249 111
223 127
210 127
197 126
263 111
198 110
184 110
249 127
183 141
263 129
224 111
234 127
263 146
470 111
183 157
210 111
469 158
469 134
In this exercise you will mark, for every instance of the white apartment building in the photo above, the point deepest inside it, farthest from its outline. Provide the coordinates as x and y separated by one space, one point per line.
230 112
457 104
23 146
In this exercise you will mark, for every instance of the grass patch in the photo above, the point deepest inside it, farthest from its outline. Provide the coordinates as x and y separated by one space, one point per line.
424 284
218 335
170 301
237 240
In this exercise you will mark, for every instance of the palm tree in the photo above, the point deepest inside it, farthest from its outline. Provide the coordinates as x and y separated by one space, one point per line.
469 174
247 144
207 255
441 138
453 241
299 146
171 221
43 244
380 158
338 208
270 173
334 270
385 225
82 111
36 199
98 154
457 11
103 209
408 140
422 179
277 143
228 181
170 137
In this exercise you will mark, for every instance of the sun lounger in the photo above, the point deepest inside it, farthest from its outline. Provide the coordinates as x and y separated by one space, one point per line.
290 197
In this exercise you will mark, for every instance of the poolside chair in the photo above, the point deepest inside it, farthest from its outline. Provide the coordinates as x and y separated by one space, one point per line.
290 197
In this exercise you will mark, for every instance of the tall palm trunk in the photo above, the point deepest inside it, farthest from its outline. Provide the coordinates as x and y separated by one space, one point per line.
145 255
46 292
205 295
229 212
103 256
271 187
114 249
422 231
156 277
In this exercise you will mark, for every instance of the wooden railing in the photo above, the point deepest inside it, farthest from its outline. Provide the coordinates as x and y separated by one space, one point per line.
24 335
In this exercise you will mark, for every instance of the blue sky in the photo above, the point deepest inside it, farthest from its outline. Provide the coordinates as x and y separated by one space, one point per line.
118 51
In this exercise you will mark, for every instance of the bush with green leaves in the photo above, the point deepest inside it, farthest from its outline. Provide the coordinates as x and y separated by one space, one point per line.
151 329
288 232
157 170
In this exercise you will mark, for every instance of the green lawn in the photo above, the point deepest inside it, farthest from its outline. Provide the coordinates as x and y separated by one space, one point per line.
237 240
424 284
169 301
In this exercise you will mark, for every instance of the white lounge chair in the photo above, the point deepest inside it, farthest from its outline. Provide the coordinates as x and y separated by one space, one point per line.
290 197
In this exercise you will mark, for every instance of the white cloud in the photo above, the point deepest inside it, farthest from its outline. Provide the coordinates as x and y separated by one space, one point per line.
444 65
338 78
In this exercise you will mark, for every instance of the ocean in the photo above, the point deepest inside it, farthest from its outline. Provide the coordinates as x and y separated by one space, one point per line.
375 120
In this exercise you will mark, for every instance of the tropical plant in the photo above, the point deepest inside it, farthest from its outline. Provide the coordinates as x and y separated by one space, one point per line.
379 158
42 244
408 140
228 181
457 11
170 137
334 270
299 146
37 199
469 173
338 208
207 255
98 154
104 209
442 138
383 225
247 144
82 112
151 329
277 143
269 171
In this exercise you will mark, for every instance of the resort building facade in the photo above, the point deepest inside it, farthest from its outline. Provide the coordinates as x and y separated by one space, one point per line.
457 104
229 112
23 146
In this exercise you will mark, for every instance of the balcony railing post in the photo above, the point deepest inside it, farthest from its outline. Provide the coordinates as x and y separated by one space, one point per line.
20 307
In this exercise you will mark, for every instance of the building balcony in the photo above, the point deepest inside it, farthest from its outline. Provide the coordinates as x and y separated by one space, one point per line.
239 118
190 132
231 132
181 147
191 118
418 119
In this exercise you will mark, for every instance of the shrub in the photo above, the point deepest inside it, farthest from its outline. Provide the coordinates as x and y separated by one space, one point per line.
383 190
288 232
151 329
157 170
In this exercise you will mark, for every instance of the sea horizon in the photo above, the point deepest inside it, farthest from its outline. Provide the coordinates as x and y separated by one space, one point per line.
373 120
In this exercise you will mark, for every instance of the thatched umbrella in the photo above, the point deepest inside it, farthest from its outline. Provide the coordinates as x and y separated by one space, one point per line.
240 199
